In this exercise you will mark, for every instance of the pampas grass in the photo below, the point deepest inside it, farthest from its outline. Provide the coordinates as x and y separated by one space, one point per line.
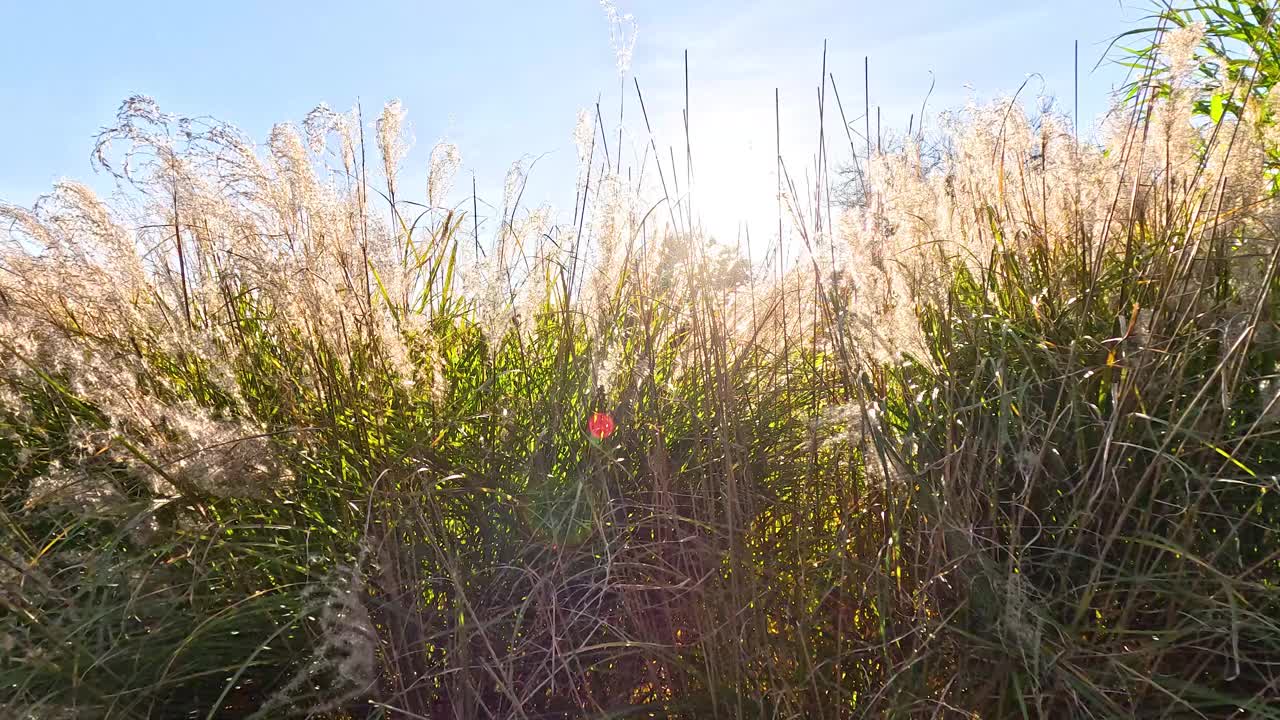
279 440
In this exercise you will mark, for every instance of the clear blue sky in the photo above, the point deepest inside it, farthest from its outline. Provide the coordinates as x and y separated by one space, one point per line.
504 79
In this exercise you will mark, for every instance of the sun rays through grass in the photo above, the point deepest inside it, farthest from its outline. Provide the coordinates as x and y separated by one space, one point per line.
279 438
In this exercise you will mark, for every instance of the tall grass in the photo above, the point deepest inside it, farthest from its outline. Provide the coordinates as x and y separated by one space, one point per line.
281 441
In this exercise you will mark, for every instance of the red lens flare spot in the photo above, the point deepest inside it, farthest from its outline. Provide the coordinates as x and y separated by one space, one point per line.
601 425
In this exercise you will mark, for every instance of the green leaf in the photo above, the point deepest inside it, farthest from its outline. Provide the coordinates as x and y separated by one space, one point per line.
1216 104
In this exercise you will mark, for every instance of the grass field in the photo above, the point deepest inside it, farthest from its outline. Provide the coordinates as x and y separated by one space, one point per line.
277 440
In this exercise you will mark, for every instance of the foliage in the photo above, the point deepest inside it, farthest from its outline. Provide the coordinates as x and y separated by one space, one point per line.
278 442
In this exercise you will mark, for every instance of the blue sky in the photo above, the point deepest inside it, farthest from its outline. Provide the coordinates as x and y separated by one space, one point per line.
507 79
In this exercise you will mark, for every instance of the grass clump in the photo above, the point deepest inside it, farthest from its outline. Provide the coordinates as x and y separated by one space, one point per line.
281 442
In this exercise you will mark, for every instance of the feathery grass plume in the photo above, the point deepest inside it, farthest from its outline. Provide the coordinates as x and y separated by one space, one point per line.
445 160
392 144
622 35
343 667
1178 51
